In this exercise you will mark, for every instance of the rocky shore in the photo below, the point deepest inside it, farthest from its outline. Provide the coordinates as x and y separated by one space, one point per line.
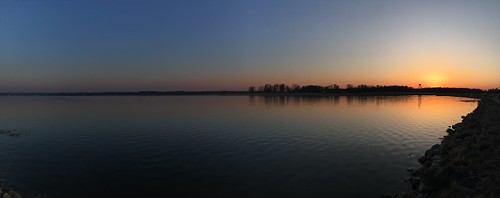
6 193
467 161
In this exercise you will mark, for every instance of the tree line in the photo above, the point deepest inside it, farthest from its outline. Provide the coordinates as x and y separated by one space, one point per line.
350 88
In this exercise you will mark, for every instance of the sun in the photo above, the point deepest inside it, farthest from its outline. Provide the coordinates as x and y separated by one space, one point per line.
434 79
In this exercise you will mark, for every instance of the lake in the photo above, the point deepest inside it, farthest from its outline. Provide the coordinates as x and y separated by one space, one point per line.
219 146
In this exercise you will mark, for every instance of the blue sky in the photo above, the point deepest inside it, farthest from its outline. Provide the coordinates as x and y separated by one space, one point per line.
59 45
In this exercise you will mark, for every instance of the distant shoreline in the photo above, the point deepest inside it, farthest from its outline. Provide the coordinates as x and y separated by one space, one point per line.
244 93
283 90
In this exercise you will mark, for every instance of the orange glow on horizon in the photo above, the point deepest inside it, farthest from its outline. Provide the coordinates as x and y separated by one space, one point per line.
435 80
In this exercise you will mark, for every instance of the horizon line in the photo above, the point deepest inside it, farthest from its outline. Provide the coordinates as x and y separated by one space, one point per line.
146 92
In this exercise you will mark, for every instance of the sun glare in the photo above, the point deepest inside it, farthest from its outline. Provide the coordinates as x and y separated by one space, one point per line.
435 79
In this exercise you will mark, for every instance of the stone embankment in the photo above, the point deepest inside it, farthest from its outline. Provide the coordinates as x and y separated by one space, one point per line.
467 162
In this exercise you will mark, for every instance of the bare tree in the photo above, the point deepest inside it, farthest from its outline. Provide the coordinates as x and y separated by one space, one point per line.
251 89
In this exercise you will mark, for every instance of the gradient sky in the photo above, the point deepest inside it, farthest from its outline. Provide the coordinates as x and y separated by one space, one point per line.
129 45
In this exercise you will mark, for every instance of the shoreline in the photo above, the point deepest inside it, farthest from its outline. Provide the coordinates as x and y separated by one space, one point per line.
458 94
7 193
415 178
466 162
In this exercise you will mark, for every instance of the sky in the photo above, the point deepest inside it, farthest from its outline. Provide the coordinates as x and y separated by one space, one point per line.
131 45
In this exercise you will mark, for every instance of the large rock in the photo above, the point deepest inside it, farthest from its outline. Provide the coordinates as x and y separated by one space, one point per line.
435 179
469 182
466 164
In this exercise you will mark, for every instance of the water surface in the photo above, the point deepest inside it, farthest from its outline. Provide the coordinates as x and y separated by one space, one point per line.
219 146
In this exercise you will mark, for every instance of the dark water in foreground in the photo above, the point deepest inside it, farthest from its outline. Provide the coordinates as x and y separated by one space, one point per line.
219 146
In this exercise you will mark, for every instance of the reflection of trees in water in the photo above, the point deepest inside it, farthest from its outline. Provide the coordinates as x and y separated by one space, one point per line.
288 100
336 100
251 100
283 101
274 101
350 100
379 100
392 99
419 101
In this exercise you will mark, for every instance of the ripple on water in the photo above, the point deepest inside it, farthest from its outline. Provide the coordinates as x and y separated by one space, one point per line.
125 146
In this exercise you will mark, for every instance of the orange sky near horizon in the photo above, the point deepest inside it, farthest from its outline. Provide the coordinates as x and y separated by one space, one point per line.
231 45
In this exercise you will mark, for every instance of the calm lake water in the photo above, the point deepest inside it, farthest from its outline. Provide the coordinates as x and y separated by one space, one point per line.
219 146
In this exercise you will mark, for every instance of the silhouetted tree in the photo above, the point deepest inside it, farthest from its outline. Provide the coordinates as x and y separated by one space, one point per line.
362 88
268 88
295 88
282 88
261 89
312 89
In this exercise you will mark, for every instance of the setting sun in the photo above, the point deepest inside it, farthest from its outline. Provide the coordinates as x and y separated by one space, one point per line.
434 80
249 98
